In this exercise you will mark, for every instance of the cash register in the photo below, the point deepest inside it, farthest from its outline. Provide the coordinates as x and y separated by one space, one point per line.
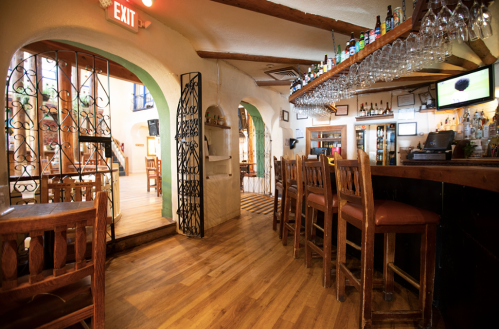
437 147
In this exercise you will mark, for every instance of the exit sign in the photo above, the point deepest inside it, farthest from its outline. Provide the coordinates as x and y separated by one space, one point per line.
123 15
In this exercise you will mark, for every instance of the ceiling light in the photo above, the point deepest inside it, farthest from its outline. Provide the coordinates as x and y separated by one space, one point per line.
148 3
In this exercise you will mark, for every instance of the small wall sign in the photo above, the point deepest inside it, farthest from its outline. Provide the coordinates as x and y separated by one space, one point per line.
123 15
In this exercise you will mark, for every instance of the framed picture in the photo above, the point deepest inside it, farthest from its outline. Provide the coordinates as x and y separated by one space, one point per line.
301 116
285 116
405 100
407 129
341 110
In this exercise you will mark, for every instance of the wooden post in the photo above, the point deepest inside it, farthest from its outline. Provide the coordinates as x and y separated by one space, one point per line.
18 114
39 75
66 118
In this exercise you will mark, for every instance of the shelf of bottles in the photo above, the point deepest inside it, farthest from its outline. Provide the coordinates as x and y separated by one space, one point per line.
385 145
374 112
360 135
320 140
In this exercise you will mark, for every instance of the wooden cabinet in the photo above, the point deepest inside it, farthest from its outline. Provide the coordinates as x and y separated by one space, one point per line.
326 137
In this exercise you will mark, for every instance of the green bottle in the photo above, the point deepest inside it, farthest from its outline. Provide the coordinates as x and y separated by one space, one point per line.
361 41
338 55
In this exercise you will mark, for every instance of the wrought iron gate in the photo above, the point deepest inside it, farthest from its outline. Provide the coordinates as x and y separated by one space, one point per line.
58 122
189 156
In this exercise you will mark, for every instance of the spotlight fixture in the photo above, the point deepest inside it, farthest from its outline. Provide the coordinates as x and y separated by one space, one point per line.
148 3
105 3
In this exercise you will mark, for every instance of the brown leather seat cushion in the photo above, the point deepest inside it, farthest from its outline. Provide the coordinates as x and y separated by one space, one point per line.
278 185
319 199
44 308
393 213
293 189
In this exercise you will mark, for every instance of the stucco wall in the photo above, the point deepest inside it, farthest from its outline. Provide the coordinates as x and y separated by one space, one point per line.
160 51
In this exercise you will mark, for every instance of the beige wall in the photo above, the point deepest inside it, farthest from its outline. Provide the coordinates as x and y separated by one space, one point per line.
161 51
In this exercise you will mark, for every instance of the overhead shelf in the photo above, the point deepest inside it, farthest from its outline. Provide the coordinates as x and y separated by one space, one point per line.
216 126
374 117
213 158
400 31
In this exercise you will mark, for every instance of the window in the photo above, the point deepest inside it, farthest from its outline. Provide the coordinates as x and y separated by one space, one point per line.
142 99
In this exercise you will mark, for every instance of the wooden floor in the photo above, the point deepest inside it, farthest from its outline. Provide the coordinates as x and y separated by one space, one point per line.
238 276
141 209
257 203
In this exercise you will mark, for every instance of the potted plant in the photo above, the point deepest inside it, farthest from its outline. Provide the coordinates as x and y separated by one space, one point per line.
468 150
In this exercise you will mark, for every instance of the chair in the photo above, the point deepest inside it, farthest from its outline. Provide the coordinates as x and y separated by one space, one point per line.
357 207
279 189
66 294
151 172
294 192
159 188
319 197
69 190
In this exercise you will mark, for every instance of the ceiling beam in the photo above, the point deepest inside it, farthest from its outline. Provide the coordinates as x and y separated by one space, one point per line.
422 78
380 90
254 58
273 83
449 72
115 70
481 50
464 63
294 15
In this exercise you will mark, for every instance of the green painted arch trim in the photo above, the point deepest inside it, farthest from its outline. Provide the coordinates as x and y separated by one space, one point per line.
164 119
260 138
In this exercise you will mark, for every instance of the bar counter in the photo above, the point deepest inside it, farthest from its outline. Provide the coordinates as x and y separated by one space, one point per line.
467 260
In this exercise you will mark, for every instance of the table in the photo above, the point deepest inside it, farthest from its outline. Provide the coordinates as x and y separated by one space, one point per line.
30 210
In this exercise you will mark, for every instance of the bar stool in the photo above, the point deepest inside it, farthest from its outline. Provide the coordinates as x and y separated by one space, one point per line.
279 189
319 196
294 192
357 207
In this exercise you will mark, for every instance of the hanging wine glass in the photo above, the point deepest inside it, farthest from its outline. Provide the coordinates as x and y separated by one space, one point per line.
444 17
486 20
475 30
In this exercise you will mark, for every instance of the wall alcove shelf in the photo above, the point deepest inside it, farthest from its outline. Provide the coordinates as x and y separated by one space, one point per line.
374 117
213 158
216 126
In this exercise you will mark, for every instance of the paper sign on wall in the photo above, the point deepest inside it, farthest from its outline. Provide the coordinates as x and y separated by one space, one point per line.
406 114
123 15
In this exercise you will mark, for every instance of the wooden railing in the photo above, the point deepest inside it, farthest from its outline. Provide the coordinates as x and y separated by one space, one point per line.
123 160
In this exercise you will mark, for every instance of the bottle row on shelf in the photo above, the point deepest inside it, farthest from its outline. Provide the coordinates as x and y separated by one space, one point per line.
393 19
373 111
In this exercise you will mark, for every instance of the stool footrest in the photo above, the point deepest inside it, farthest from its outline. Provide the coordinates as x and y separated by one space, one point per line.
319 227
351 244
349 275
396 315
404 275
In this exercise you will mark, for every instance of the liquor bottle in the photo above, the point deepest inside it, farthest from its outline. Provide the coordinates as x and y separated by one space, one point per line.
362 111
479 130
380 109
352 45
467 129
362 41
459 132
371 110
316 71
375 109
389 19
366 38
453 124
325 68
338 55
357 46
377 29
387 110
321 69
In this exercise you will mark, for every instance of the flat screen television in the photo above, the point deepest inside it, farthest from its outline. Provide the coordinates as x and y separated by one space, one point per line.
465 89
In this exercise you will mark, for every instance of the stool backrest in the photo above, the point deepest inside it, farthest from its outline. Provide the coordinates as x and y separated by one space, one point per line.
38 282
277 170
317 176
293 173
353 183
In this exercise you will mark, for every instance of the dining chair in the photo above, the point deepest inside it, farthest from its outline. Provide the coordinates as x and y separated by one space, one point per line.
151 173
358 207
70 292
69 190
294 194
159 188
279 189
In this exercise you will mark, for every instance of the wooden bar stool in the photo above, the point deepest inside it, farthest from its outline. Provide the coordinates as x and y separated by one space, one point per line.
294 192
319 196
357 207
279 189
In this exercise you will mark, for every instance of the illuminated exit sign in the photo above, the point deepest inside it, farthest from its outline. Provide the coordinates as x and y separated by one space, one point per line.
123 15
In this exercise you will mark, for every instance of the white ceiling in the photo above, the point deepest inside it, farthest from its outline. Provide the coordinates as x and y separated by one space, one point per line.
211 26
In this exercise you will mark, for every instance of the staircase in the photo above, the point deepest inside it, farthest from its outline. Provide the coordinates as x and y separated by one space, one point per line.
122 170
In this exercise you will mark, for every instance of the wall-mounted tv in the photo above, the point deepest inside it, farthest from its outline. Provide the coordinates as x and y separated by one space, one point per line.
469 88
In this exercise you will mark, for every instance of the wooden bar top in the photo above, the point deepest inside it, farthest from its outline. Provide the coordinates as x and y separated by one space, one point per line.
41 209
485 178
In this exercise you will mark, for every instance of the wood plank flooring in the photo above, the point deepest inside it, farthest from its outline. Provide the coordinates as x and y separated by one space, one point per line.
257 203
141 209
238 276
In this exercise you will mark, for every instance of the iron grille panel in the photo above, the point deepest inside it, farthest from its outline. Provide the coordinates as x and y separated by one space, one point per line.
189 156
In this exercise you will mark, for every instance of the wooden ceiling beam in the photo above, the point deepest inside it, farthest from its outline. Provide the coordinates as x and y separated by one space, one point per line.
274 83
422 78
448 72
254 58
115 70
464 63
294 15
380 90
481 50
